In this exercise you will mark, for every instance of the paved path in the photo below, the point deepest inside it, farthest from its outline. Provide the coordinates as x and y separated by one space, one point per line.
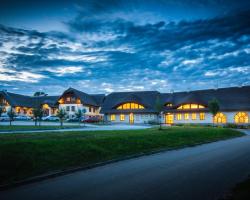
88 127
199 173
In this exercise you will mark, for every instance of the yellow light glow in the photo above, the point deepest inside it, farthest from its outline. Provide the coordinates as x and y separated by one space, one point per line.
202 116
186 116
220 118
112 117
122 117
241 118
193 116
179 116
130 105
190 106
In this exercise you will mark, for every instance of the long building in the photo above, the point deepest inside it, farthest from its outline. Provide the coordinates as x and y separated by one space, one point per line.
140 107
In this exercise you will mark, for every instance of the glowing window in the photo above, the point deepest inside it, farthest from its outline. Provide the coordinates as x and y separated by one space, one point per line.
186 116
112 117
122 117
241 118
202 116
220 118
193 116
190 106
179 116
132 106
169 104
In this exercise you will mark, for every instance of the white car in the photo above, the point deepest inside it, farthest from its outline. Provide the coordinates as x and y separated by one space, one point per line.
22 117
50 118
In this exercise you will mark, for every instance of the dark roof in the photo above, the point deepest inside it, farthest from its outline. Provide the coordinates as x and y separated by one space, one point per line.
145 98
28 101
234 98
94 99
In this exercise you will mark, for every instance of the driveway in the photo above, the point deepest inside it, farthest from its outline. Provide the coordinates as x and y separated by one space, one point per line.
87 127
198 173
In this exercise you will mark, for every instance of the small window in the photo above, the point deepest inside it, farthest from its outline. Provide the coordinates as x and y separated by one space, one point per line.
186 116
169 104
89 109
193 116
73 108
68 99
202 116
122 117
112 117
67 108
179 116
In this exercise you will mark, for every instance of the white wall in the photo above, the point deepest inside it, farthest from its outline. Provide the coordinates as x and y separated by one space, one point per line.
144 118
77 107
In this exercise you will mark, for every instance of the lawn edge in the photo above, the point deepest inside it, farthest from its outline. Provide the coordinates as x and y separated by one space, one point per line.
58 173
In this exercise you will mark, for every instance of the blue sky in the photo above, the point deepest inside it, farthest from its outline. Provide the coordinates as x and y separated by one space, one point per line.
105 46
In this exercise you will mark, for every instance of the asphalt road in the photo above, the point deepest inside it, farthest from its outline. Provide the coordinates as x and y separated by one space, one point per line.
203 172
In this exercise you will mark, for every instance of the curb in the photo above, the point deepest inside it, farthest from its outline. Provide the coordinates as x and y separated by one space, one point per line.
90 166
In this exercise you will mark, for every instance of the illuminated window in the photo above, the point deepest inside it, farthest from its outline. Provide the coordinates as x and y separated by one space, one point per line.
112 117
68 99
220 118
169 104
186 116
193 116
202 116
132 106
122 117
190 106
179 116
241 118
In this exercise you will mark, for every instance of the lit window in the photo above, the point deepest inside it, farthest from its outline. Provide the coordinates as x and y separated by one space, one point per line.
194 106
220 118
241 118
68 99
179 116
169 104
190 106
186 116
132 106
202 116
122 117
112 117
193 116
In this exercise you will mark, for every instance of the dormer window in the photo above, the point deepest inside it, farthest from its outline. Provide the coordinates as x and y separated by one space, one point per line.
130 106
169 104
190 106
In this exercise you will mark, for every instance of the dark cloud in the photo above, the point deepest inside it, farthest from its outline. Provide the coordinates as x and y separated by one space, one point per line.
106 54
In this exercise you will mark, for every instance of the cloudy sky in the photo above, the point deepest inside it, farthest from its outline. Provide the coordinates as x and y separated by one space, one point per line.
122 45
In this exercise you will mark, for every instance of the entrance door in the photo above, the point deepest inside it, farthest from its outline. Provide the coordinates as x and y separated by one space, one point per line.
131 118
169 118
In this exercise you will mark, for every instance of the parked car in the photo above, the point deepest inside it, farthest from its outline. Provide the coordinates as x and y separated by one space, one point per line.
50 118
91 120
4 118
22 117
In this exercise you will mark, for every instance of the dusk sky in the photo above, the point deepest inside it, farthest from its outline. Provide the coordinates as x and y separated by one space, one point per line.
101 46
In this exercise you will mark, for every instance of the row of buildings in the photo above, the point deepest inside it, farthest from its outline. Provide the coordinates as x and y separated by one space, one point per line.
140 107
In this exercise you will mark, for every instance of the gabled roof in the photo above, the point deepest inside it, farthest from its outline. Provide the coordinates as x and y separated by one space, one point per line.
28 101
233 98
93 100
145 98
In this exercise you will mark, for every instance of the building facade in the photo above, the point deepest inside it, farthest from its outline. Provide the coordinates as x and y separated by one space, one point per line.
140 107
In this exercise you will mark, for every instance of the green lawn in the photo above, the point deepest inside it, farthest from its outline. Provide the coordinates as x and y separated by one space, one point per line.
26 155
28 127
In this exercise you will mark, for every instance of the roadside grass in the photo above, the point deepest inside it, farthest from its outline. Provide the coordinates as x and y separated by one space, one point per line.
32 127
26 155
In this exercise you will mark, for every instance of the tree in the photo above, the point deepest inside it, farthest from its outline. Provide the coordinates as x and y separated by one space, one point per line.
83 114
38 114
213 107
11 113
79 114
61 114
159 109
38 94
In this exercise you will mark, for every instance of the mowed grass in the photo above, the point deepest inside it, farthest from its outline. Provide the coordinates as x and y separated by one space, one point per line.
30 127
27 155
